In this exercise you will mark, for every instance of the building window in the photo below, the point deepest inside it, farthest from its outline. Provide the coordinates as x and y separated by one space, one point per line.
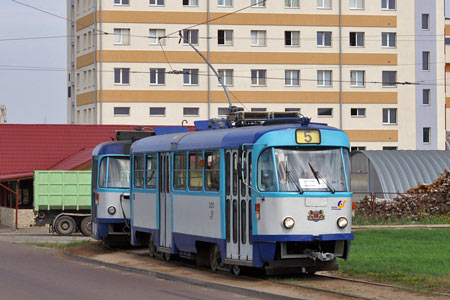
258 109
291 3
157 111
121 75
447 41
426 93
292 38
292 77
190 111
356 4
121 36
190 35
358 112
157 76
227 76
225 37
325 112
324 4
258 3
190 76
190 2
426 135
389 116
388 4
223 111
389 79
356 39
156 2
425 21
425 60
324 78
121 2
357 78
324 38
258 77
389 148
357 148
388 39
121 111
155 35
258 37
292 109
227 3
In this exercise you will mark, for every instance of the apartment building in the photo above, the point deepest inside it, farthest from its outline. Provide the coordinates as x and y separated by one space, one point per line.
371 67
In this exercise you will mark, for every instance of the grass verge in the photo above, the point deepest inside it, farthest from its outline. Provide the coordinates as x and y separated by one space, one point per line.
414 258
58 245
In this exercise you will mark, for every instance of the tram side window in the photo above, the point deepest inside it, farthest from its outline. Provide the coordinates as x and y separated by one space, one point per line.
212 171
179 171
195 171
151 172
139 168
266 175
102 173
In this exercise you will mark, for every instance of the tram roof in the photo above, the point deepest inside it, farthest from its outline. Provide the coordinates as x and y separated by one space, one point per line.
118 147
213 139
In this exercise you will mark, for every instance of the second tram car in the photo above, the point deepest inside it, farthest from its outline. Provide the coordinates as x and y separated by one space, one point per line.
272 196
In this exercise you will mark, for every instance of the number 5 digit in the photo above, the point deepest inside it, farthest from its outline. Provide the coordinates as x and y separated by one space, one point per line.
307 137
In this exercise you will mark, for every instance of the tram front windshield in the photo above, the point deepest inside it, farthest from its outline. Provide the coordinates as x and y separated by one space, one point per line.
303 170
114 173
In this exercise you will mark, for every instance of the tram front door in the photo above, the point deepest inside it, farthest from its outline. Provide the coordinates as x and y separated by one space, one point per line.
165 212
238 209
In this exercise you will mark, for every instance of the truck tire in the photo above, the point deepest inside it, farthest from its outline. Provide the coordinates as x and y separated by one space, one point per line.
65 225
86 226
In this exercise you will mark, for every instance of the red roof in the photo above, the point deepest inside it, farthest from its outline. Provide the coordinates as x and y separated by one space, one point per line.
25 148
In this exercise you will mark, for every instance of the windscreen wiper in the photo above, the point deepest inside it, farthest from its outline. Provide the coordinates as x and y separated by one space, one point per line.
292 179
318 176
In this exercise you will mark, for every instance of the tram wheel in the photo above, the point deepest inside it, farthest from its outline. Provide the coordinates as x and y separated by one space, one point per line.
152 247
235 270
214 258
86 226
65 225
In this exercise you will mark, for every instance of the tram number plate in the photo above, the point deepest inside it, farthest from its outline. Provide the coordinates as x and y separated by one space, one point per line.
307 136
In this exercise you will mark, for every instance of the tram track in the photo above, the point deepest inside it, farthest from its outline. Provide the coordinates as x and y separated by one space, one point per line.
321 284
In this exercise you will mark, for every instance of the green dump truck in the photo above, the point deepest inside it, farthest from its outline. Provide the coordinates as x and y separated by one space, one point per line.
62 199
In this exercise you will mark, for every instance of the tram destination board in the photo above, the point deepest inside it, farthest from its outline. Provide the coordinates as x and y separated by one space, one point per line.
311 136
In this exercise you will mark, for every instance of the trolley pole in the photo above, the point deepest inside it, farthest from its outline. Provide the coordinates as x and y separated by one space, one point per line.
17 198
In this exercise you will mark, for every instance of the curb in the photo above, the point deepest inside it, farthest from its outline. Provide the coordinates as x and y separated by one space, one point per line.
416 226
208 284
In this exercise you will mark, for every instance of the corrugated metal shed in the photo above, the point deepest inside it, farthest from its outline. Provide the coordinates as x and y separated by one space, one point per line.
396 171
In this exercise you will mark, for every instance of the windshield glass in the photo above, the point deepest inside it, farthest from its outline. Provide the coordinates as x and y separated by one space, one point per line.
302 170
117 169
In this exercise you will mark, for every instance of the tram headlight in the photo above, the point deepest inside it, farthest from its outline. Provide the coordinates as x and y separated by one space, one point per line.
342 222
288 222
111 210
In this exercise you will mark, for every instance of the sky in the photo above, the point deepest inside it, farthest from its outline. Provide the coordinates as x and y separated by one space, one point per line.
32 96
35 96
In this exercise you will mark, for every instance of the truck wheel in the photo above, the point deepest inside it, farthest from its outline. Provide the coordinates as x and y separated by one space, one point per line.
65 225
86 226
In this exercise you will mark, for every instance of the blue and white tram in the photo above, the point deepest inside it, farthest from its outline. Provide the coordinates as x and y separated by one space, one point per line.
110 207
272 196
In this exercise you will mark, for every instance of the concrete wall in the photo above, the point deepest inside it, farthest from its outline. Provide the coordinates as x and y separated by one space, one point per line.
8 217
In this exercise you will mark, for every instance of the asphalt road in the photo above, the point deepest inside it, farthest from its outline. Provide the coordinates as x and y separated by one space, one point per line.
29 272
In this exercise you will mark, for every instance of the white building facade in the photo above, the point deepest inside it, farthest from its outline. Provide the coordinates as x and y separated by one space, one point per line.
374 68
